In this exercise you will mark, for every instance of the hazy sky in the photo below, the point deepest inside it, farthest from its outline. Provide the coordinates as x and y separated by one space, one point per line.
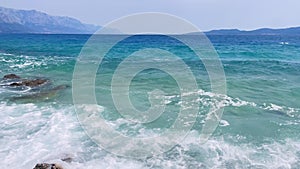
206 14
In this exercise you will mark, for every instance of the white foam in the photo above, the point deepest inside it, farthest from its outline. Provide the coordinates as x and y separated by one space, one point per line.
290 111
224 123
284 43
16 62
32 134
218 153
6 54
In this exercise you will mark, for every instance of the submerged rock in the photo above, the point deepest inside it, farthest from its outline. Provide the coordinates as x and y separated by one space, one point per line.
41 95
47 166
11 76
67 159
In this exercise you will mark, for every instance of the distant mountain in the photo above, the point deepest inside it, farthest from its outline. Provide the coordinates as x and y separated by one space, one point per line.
263 31
32 21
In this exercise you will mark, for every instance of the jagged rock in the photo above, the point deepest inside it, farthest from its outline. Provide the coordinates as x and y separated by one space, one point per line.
47 166
33 83
30 83
24 82
11 76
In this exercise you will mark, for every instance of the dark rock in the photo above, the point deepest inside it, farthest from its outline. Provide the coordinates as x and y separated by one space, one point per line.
15 84
42 166
30 83
33 83
47 166
24 82
11 76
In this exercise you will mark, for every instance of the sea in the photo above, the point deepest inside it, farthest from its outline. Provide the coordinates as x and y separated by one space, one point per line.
259 127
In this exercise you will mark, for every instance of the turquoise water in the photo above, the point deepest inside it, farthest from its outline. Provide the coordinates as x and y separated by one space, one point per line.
259 127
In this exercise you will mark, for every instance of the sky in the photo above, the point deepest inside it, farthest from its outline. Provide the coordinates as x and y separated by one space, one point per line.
205 14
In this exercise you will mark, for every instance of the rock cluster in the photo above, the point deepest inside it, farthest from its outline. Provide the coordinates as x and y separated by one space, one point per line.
47 166
30 83
24 82
37 89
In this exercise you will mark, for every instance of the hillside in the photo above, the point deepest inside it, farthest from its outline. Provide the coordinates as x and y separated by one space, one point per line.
32 21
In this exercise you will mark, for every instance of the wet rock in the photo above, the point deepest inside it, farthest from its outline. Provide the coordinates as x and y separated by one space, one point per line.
47 166
24 82
29 83
15 84
33 83
11 76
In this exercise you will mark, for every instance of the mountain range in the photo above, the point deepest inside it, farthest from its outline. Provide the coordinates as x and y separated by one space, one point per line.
263 31
32 21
